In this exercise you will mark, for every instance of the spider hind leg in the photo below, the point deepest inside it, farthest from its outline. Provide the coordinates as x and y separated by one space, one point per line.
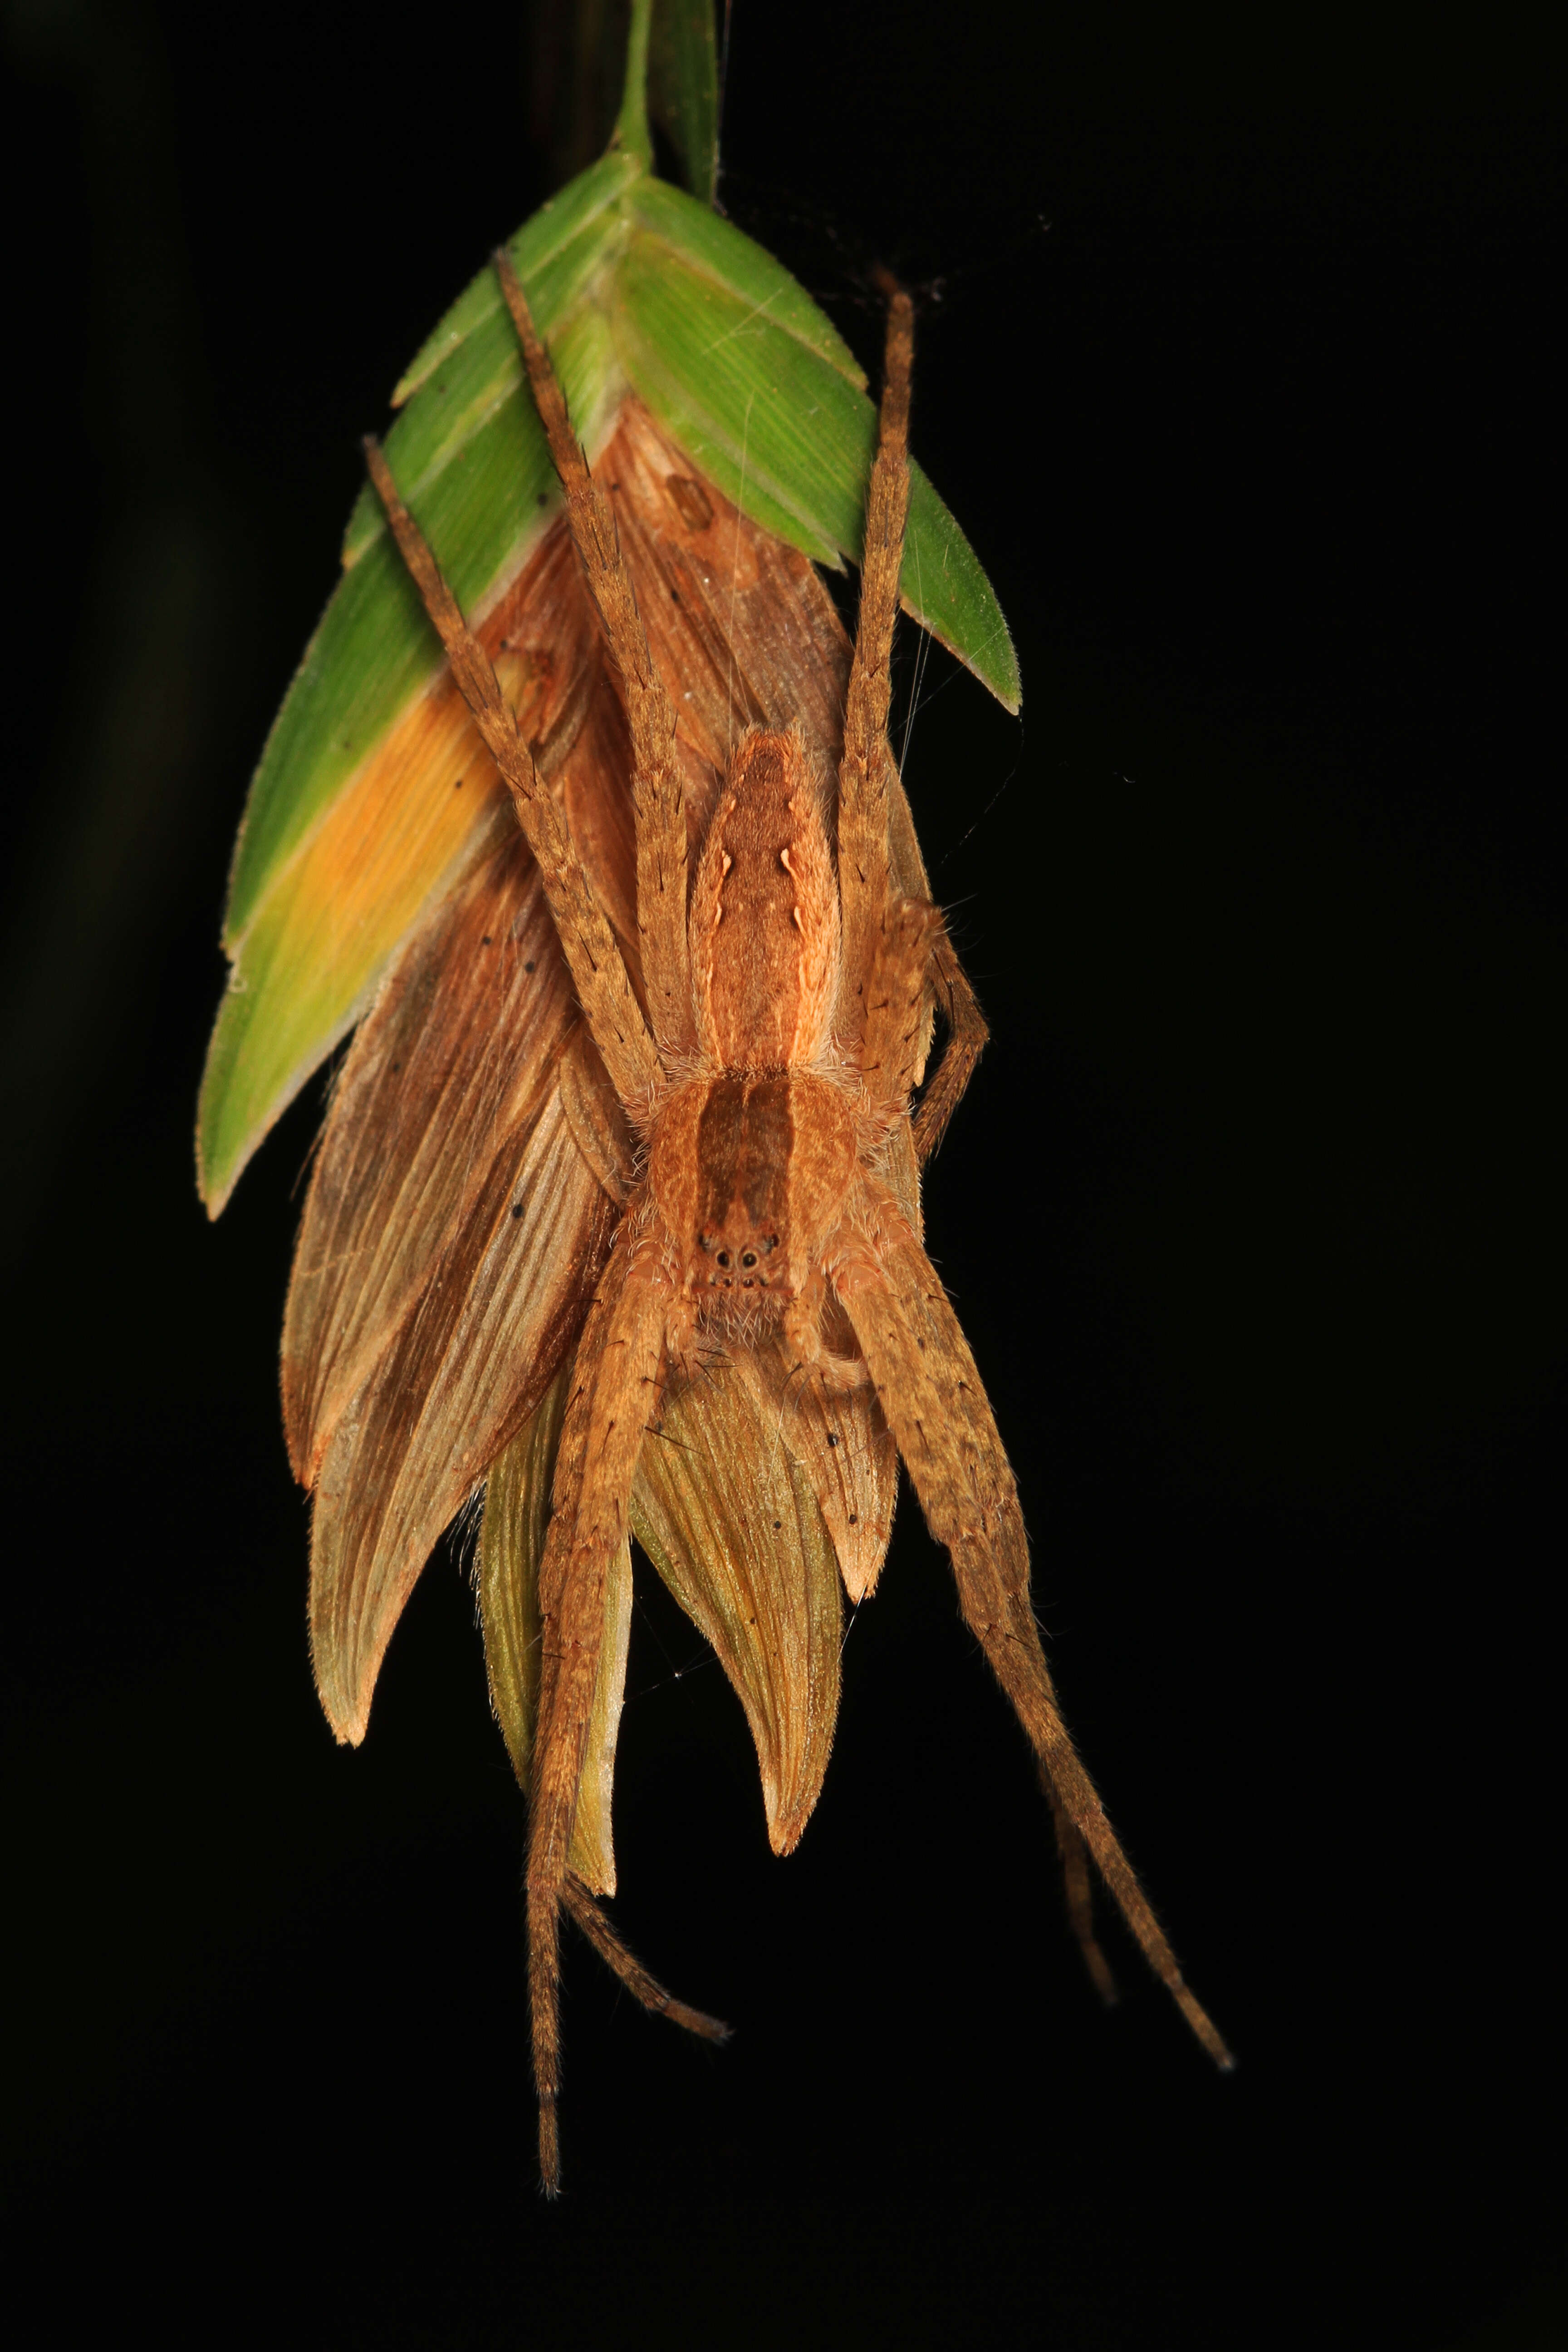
615 1380
1073 1855
929 1390
644 1987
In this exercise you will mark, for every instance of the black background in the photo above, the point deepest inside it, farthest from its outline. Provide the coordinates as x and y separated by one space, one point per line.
1234 363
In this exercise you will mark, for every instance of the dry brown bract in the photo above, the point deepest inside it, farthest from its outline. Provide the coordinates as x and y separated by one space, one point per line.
755 1149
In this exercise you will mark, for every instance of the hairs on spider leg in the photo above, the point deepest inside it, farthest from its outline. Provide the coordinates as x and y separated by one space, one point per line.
735 562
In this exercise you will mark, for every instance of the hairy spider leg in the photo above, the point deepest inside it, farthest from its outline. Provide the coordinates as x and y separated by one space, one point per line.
894 1004
880 925
543 1958
871 796
864 882
572 1574
926 1379
658 799
615 1386
599 975
647 1988
1074 1855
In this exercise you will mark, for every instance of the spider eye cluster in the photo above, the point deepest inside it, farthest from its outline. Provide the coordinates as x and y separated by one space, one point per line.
741 1263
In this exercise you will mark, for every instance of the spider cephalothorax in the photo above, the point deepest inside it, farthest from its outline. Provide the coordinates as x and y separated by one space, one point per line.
759 1135
752 1156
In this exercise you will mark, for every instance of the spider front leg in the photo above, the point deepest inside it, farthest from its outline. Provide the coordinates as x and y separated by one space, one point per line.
874 815
930 1391
863 880
658 799
603 988
615 1390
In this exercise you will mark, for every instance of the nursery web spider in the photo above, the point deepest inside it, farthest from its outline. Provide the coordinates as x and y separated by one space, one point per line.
768 1088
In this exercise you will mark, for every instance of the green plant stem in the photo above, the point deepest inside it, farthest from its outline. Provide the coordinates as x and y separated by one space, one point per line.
631 132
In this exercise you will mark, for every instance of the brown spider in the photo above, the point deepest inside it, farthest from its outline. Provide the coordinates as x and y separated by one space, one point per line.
769 1193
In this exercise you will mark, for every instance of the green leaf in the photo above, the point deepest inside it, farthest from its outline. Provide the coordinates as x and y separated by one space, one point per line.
783 429
470 456
635 286
559 221
715 248
307 944
683 89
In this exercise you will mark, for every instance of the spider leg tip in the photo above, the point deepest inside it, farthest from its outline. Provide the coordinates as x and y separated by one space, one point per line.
549 2151
1218 2049
697 2021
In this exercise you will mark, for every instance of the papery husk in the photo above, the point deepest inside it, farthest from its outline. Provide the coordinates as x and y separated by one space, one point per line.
843 1444
463 1038
727 1516
503 1306
453 1062
511 1546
